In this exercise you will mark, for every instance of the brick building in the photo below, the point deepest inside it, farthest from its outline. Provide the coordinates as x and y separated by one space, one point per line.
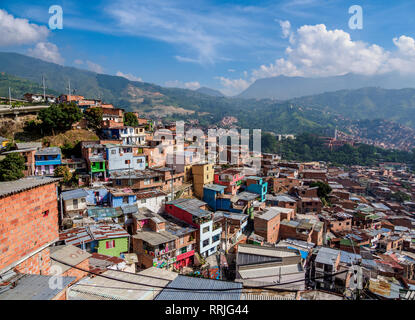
28 224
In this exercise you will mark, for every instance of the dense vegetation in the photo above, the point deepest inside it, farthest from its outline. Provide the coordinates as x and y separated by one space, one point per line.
19 87
11 167
309 147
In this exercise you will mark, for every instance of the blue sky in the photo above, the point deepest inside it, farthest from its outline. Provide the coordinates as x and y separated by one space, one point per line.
224 45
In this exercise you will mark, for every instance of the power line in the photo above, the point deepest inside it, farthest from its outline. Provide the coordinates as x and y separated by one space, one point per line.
191 289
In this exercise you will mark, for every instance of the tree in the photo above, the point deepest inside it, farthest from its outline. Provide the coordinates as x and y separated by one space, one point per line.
94 118
400 196
59 117
323 190
11 167
130 119
63 171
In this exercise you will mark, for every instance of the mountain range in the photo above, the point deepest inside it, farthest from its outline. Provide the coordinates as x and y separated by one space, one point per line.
285 88
207 107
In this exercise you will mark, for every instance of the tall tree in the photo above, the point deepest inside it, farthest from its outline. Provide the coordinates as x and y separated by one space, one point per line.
94 118
130 119
59 117
11 167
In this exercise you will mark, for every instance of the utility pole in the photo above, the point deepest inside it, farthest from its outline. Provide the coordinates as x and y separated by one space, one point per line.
172 185
44 89
10 98
69 90
226 234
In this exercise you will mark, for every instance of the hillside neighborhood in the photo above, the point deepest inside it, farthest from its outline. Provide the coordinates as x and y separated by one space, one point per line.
121 211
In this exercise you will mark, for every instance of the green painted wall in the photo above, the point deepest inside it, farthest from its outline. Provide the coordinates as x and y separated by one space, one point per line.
121 245
97 166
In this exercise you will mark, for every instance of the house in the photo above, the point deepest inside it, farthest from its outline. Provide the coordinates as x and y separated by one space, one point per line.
124 157
233 226
281 200
257 185
203 173
36 98
74 201
28 151
163 242
65 256
28 223
326 264
230 178
128 135
212 195
108 239
47 160
121 197
112 118
266 224
244 202
270 266
94 154
152 200
137 180
302 229
193 212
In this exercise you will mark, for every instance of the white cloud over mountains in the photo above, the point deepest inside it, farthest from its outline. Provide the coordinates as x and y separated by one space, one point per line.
46 51
128 76
192 85
315 51
15 31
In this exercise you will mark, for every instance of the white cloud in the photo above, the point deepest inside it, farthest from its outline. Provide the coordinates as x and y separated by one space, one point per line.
286 28
233 86
315 51
192 85
128 76
15 31
94 67
46 51
78 62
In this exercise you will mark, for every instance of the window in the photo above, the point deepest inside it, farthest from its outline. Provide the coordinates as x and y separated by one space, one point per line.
143 200
114 151
206 229
147 181
75 203
118 182
205 243
83 200
139 160
125 199
110 244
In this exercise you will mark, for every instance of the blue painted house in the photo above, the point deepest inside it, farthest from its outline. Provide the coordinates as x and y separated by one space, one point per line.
257 185
47 160
119 198
97 196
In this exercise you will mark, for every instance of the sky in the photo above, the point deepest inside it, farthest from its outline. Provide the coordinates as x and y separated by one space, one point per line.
224 45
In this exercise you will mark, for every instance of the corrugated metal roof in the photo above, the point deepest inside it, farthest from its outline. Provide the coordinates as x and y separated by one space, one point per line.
34 287
99 288
74 194
11 187
200 284
327 256
48 151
